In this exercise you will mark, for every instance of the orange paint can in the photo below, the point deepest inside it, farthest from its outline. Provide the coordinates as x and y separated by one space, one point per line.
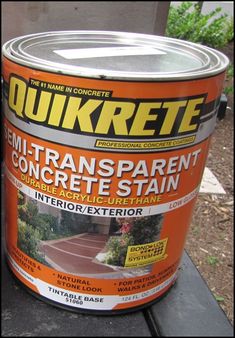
106 138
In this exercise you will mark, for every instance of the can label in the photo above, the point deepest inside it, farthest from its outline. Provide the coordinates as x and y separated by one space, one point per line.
101 180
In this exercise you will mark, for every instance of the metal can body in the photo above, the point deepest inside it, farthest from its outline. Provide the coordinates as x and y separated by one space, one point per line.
104 156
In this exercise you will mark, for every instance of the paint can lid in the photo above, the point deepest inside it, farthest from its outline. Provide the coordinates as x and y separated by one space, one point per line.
115 55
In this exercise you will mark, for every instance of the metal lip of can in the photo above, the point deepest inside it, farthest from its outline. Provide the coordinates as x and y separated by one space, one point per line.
115 55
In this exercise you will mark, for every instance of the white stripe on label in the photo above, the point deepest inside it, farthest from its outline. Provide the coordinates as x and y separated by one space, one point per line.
82 53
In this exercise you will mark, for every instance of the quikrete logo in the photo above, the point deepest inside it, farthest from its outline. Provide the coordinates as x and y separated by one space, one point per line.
104 116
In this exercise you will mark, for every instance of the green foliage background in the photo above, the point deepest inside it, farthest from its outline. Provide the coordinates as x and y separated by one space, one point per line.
186 22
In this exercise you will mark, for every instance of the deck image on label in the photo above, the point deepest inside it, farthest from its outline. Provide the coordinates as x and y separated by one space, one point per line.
83 244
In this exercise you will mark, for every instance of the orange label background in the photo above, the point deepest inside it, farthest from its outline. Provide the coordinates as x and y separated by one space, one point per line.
176 222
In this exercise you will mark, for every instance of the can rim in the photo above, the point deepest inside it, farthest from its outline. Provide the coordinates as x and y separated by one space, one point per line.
214 61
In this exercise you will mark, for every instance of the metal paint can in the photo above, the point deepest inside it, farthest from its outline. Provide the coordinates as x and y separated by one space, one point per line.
106 140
